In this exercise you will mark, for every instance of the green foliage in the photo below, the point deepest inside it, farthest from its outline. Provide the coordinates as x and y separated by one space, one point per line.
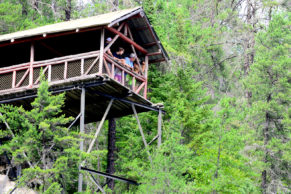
269 82
214 140
41 140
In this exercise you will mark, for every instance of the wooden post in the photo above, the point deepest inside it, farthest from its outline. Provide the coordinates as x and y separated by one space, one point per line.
31 64
101 51
82 127
160 128
146 76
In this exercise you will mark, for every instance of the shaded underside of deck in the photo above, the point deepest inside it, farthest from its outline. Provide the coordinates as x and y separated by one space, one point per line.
99 91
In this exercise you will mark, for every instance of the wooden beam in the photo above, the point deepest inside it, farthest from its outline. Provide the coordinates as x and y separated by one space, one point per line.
140 87
154 36
151 44
51 49
155 53
157 60
125 17
114 39
92 65
22 79
131 37
43 72
142 28
138 47
40 37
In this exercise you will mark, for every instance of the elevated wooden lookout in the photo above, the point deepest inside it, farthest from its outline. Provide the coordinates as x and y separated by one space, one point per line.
74 55
75 58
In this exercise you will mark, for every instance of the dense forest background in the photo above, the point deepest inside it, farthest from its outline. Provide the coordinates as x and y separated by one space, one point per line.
226 92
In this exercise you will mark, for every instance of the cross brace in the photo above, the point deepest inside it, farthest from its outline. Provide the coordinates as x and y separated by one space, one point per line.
110 176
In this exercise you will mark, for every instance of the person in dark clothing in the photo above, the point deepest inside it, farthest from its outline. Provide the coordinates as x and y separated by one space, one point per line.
119 54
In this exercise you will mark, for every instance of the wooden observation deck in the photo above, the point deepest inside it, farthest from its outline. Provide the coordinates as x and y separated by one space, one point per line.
73 56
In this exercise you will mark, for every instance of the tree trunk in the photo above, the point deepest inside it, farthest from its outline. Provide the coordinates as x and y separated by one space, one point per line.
249 41
266 134
116 4
111 150
68 10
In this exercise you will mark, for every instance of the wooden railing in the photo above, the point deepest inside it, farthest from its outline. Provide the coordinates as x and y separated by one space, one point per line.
68 68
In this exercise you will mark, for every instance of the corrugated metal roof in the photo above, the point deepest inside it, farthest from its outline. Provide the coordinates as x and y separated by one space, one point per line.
99 20
145 36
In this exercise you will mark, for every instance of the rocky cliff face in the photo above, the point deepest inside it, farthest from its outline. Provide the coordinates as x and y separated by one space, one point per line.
6 186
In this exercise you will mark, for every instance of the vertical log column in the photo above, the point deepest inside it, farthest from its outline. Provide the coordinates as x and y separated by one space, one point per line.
111 150
82 128
31 64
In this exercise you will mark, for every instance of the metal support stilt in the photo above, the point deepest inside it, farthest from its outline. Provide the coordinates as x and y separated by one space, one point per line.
160 128
100 126
141 132
82 127
96 183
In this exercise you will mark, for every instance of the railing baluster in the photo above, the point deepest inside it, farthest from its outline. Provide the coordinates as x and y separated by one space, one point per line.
112 71
66 70
49 76
122 77
133 83
14 79
48 68
82 66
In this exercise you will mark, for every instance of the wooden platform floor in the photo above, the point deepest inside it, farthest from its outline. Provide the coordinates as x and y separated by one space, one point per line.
99 91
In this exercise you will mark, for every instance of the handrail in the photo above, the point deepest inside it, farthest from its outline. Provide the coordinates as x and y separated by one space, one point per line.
44 62
17 77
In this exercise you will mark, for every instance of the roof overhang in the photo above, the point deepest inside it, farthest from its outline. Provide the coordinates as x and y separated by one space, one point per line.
147 35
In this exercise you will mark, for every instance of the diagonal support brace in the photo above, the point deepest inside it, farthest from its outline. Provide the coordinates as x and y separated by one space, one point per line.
141 132
100 126
96 183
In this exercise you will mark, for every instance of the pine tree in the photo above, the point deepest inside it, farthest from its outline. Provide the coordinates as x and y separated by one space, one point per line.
42 140
269 82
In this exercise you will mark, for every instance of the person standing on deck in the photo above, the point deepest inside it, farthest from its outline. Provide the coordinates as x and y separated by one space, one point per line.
128 61
108 40
119 54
